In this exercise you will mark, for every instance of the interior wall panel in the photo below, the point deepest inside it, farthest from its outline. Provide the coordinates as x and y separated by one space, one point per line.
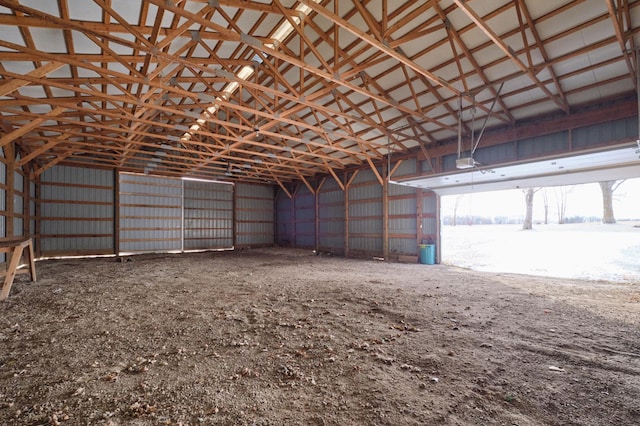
254 210
76 211
150 213
365 215
208 215
305 218
402 211
285 227
430 219
596 134
331 218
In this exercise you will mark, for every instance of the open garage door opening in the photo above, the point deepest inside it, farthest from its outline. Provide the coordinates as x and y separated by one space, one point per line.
485 231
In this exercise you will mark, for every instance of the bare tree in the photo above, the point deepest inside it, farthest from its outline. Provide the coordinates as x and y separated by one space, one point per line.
455 208
528 197
545 198
562 195
608 188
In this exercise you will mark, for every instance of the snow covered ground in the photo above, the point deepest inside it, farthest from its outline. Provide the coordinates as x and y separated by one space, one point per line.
587 251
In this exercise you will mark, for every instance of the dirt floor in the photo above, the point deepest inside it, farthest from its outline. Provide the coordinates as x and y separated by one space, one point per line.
284 337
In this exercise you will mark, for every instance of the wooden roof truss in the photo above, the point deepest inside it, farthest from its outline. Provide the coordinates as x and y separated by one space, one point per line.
282 90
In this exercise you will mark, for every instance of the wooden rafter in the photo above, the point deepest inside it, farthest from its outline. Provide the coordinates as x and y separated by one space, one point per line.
347 80
509 52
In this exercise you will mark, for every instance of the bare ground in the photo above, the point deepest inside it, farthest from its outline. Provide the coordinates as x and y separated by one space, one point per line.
283 337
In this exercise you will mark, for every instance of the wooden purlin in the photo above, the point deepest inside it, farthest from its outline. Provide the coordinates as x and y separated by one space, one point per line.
378 45
44 148
324 133
469 56
106 74
509 52
617 19
522 7
16 83
10 137
278 54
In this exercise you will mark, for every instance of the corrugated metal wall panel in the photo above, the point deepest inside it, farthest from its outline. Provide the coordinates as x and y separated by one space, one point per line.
254 215
305 218
430 218
496 154
285 228
403 246
400 190
402 211
365 215
595 134
208 215
425 167
76 211
331 218
150 213
547 144
407 168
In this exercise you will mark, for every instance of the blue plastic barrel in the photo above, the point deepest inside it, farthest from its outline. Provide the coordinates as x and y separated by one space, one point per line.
431 254
427 255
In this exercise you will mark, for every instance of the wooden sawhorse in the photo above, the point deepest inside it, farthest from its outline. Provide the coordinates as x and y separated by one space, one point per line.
15 250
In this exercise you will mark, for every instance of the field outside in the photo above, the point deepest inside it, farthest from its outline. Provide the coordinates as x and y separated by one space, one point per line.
589 251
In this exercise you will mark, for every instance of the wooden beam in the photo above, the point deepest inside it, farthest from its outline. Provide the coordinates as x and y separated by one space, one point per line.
618 25
16 83
509 52
375 171
284 188
307 184
10 158
44 148
395 168
347 219
321 10
116 212
45 167
336 178
385 213
8 138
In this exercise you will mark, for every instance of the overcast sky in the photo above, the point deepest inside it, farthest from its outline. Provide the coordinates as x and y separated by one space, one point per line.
582 200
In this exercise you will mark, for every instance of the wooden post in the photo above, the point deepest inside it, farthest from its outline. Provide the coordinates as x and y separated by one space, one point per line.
26 205
317 205
234 218
385 212
419 219
38 214
346 214
10 157
293 227
116 212
438 226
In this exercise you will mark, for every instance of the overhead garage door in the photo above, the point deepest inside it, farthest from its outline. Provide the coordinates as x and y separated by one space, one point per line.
208 215
150 213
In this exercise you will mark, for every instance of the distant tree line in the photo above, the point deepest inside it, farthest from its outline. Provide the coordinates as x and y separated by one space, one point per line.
507 220
561 194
